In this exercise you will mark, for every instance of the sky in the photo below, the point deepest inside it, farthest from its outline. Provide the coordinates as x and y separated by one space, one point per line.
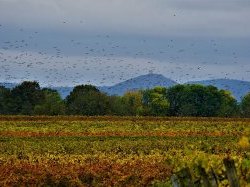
104 42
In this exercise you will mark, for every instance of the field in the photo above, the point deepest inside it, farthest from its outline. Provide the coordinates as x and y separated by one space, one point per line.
117 151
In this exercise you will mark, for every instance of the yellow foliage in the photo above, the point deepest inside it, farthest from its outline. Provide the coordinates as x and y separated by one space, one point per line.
244 142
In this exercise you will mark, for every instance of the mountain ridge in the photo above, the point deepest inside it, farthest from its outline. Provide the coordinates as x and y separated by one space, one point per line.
238 88
141 82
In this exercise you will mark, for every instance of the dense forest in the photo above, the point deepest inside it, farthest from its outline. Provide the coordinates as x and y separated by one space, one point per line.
29 98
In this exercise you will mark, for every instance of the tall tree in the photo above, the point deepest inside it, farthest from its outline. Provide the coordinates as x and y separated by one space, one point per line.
194 100
132 101
117 106
25 96
87 100
174 96
245 105
155 100
229 106
51 105
4 100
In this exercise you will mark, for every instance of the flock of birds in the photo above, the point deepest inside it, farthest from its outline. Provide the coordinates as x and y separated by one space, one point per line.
104 60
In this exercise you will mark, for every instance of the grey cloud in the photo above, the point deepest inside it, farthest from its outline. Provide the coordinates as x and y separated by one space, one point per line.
208 5
149 17
175 35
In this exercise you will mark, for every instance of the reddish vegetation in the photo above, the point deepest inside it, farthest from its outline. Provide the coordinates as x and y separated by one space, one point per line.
133 163
101 172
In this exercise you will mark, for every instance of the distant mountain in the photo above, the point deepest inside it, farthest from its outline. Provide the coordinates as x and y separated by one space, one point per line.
238 88
63 91
137 83
8 85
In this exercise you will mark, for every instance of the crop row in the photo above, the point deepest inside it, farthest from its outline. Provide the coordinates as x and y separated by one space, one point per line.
113 151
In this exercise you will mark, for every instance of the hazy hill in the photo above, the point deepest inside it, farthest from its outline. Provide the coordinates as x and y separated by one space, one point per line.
63 91
137 83
237 87
8 85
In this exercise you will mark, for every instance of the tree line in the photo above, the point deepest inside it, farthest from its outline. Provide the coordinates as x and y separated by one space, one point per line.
29 98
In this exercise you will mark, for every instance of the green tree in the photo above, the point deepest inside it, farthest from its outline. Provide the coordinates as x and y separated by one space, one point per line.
25 96
4 100
117 106
132 101
245 105
194 100
229 106
209 100
87 100
51 105
175 98
155 100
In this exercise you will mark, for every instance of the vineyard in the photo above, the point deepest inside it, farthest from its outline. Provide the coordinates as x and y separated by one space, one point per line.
118 151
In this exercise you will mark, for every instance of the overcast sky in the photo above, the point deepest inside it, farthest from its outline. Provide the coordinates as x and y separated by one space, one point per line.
103 42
